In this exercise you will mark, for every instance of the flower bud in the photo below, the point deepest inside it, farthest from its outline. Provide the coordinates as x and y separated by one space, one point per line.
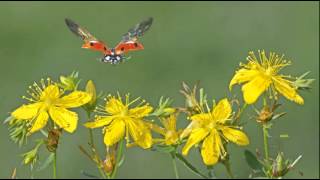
303 84
69 83
110 160
91 89
108 166
279 166
30 157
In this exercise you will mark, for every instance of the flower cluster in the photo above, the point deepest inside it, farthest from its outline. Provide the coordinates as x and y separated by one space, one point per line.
120 120
48 100
262 75
155 128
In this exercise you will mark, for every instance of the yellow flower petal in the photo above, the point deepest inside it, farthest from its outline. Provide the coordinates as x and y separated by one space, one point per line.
241 76
222 111
39 122
139 132
114 132
195 137
74 99
171 137
202 119
210 150
170 122
235 136
253 89
198 121
193 125
287 90
140 112
26 111
145 140
114 106
64 118
50 92
156 128
99 122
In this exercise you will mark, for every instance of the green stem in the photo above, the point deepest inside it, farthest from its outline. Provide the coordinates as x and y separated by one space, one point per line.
54 164
227 165
190 166
265 142
119 156
91 143
243 108
102 173
265 134
211 174
241 111
173 157
90 131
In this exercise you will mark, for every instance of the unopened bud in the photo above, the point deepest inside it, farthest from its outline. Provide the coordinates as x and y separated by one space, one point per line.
91 89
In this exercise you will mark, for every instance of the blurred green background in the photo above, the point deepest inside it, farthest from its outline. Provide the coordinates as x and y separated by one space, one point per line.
188 41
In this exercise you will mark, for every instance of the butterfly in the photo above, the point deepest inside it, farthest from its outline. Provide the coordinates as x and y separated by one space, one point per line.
129 41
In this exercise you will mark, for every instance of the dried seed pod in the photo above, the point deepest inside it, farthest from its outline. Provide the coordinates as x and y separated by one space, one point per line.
110 161
53 139
265 115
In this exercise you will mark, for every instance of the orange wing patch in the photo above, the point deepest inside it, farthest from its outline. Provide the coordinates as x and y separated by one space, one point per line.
124 47
97 46
90 42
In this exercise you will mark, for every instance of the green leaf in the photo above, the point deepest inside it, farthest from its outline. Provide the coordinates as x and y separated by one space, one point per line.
121 161
48 161
278 115
303 84
252 161
295 161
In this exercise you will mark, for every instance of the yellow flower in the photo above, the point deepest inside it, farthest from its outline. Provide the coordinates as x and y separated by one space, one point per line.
120 120
209 128
47 100
171 135
259 76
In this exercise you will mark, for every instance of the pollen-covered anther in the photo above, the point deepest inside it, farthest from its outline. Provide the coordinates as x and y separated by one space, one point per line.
28 99
43 85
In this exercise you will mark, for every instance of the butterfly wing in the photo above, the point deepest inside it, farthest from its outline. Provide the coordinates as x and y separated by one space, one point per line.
90 42
129 40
